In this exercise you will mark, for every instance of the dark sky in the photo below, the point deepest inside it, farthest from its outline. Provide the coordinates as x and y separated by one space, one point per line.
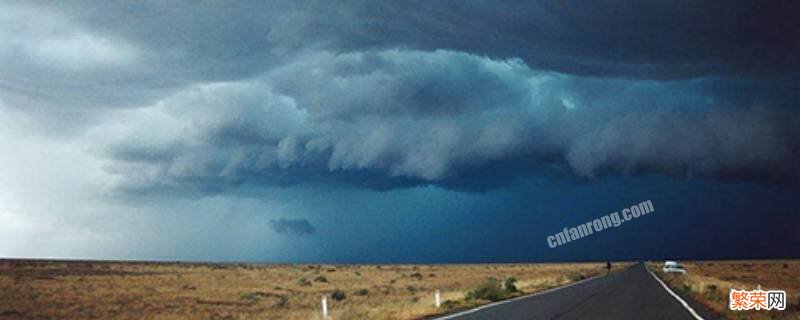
398 131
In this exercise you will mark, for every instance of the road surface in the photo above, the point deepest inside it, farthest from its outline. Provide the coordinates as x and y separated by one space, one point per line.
629 294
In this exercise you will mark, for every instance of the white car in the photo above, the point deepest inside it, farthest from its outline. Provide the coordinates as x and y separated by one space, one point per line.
673 266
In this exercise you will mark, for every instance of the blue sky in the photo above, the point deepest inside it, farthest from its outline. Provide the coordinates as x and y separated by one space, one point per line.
397 131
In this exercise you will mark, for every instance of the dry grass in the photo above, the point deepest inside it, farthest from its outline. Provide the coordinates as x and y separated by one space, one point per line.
709 282
105 290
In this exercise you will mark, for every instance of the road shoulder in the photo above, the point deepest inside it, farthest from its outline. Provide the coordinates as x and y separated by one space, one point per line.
697 308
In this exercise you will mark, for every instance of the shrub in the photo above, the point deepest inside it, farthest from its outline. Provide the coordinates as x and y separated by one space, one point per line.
710 292
510 284
303 282
488 289
338 295
361 292
321 279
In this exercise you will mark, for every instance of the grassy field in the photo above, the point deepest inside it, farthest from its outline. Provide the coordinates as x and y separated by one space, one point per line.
709 282
138 290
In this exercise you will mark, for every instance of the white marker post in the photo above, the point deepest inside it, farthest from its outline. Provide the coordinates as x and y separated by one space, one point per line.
438 299
325 307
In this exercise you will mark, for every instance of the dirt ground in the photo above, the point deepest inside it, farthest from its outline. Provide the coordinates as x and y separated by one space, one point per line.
710 282
136 290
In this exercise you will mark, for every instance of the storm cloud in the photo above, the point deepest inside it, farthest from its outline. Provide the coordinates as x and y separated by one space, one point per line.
140 108
79 54
437 118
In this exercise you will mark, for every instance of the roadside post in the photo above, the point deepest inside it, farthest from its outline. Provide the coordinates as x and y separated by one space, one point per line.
438 298
325 307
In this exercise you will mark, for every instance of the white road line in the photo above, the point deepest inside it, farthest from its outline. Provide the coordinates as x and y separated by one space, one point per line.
494 304
685 305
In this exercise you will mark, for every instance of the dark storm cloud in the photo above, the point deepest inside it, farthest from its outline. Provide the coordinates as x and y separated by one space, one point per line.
86 54
82 57
651 39
119 112
394 119
292 226
207 96
753 144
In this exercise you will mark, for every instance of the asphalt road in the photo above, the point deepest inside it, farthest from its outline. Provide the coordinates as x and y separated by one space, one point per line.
629 294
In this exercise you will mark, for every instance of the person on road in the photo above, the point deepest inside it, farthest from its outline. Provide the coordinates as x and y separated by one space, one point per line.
608 267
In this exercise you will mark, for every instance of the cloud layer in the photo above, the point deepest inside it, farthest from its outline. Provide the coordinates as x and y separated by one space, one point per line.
136 127
398 118
75 55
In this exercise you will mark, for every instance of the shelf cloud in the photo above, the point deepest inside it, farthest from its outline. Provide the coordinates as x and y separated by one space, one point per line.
437 118
124 111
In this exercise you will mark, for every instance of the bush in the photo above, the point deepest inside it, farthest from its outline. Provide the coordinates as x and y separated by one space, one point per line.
338 295
489 289
710 292
510 284
321 279
303 282
361 292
